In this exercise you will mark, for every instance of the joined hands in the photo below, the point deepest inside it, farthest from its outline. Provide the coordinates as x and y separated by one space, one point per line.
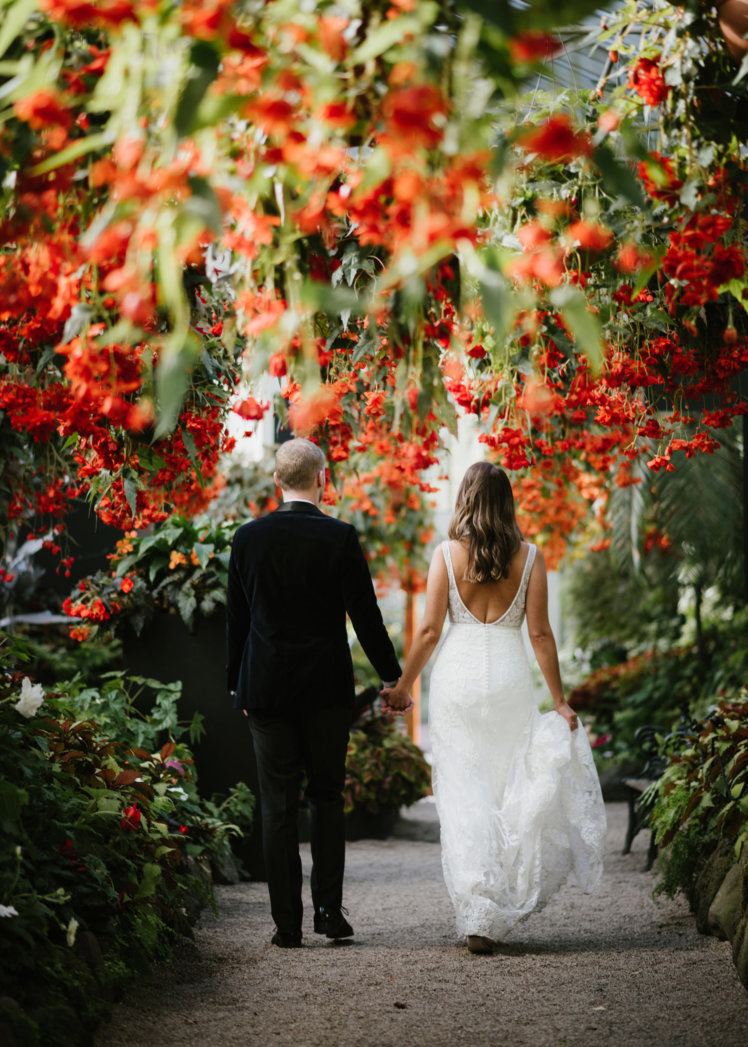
395 702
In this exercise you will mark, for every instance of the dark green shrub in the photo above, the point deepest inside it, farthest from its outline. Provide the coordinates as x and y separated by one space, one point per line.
384 768
103 848
702 796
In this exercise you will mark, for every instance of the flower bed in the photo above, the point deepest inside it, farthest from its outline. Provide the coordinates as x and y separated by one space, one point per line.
105 849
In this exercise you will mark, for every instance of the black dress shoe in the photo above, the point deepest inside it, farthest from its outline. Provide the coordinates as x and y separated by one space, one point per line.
286 941
332 923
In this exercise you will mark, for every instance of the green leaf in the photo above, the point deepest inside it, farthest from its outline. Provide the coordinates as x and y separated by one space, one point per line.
618 179
12 800
187 605
499 304
151 876
203 205
689 194
328 299
582 323
13 22
196 730
130 486
189 445
386 36
203 553
739 289
544 14
78 148
204 63
172 380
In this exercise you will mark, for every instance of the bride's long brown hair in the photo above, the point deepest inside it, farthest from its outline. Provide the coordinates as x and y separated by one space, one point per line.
484 514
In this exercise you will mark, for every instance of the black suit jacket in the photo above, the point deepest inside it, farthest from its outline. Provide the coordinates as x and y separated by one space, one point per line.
293 575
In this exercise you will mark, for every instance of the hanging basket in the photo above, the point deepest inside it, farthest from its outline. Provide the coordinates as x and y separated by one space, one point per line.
732 16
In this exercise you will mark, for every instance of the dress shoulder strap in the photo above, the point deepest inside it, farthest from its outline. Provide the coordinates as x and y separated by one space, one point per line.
447 554
525 580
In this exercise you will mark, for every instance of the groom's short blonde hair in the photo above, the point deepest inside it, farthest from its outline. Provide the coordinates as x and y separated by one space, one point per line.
297 463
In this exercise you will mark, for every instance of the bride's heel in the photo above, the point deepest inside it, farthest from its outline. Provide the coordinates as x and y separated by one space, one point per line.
477 943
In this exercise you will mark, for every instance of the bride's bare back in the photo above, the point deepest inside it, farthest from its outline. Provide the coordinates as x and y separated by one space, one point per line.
488 601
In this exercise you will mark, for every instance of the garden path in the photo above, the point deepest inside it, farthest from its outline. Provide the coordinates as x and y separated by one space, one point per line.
613 969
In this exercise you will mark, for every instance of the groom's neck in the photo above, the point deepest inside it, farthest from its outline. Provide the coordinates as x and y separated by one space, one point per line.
311 495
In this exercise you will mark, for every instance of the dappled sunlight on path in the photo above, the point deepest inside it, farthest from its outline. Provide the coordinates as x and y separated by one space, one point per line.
614 969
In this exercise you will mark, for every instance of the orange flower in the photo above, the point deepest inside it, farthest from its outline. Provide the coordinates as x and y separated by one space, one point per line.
609 120
546 266
308 412
331 36
533 234
176 559
630 258
590 236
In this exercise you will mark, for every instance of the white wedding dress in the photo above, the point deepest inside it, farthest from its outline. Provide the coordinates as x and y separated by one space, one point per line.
516 791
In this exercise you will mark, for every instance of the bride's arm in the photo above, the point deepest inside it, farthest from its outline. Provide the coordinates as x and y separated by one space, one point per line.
543 641
427 635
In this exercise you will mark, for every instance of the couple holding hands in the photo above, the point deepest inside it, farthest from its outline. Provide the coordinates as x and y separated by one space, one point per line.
516 791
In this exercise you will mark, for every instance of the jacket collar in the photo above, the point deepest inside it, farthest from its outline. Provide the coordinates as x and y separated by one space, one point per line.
299 507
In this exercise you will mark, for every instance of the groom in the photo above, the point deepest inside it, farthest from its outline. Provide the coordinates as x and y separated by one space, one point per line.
293 575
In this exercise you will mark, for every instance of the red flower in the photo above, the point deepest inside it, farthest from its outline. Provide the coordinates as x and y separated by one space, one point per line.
647 80
556 140
131 817
532 46
126 585
659 178
415 117
277 365
41 109
603 739
101 13
251 409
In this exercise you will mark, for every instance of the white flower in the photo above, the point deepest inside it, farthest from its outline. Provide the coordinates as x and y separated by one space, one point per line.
32 696
72 928
8 910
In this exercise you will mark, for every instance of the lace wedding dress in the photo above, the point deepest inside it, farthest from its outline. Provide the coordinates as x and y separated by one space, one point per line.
516 791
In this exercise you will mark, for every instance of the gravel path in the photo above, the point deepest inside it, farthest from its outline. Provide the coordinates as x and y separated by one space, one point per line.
613 969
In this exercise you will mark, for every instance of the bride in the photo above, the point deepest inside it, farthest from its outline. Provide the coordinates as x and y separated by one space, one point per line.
517 793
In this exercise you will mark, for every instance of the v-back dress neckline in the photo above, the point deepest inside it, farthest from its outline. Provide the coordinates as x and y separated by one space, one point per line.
522 587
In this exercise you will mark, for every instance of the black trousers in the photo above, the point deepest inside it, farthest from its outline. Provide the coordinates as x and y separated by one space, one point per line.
286 746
